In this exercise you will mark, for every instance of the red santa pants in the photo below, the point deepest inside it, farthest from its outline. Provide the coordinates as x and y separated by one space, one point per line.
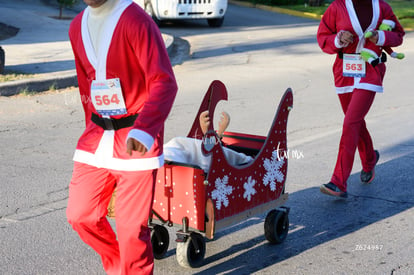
354 135
90 191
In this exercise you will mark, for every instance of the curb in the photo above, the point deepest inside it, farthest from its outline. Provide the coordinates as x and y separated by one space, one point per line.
56 80
39 84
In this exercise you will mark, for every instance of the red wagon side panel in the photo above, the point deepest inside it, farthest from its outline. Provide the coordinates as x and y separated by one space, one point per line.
179 193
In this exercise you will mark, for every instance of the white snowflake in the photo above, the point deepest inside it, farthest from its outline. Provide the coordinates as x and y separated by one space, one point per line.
249 190
273 173
221 192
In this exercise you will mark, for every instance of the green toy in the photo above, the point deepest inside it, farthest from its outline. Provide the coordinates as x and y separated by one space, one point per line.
369 55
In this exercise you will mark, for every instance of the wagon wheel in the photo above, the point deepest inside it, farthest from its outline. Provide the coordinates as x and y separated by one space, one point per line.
160 240
191 252
276 226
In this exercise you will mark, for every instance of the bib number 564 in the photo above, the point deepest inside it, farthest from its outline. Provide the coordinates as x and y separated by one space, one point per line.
105 100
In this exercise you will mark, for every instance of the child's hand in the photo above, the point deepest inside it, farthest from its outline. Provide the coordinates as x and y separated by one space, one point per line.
204 121
223 123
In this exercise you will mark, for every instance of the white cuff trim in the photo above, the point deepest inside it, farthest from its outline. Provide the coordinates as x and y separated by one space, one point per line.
389 23
381 38
146 139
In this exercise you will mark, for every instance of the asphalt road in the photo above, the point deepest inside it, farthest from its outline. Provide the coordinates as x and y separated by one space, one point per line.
257 54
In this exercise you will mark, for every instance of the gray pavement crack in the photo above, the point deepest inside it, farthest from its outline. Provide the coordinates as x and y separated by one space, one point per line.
399 268
33 212
381 199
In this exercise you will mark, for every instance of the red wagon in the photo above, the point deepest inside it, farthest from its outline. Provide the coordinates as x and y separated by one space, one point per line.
200 204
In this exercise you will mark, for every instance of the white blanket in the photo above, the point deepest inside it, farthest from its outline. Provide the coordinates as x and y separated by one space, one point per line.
188 150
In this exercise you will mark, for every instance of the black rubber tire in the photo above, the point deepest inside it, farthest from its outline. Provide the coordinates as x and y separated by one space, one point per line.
215 22
150 11
187 255
276 226
160 240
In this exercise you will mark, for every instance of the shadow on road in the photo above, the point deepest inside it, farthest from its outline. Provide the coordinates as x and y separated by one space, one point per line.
316 218
283 45
44 67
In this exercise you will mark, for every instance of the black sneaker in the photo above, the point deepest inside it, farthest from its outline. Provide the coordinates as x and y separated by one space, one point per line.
368 177
333 190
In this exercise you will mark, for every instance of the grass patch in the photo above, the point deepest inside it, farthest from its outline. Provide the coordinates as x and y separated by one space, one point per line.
53 87
306 8
12 76
403 9
26 92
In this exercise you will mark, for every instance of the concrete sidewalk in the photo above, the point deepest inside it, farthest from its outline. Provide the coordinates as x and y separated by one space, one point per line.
41 46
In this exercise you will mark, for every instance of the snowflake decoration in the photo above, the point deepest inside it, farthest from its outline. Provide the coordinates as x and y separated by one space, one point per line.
249 190
273 173
221 192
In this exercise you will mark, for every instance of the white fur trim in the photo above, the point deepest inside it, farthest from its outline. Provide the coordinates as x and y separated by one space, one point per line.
98 60
381 38
119 164
344 90
365 86
146 139
87 42
375 14
369 87
389 23
104 157
359 85
353 17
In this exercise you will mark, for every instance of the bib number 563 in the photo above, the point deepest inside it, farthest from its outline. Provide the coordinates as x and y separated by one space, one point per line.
353 67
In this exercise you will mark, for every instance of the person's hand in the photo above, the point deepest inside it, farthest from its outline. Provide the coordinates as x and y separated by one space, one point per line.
135 145
223 123
204 121
372 36
346 38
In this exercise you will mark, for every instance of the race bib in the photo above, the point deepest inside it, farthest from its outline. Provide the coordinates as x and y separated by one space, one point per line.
107 97
353 65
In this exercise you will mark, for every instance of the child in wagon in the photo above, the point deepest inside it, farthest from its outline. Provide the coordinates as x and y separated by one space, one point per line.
188 150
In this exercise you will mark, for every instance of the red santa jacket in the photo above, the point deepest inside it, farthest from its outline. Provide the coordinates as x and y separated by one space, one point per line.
341 16
134 52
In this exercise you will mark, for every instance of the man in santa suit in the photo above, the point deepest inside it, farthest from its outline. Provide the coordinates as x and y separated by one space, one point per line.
341 32
127 88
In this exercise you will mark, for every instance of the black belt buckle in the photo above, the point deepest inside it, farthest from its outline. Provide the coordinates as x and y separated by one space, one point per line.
108 124
113 123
